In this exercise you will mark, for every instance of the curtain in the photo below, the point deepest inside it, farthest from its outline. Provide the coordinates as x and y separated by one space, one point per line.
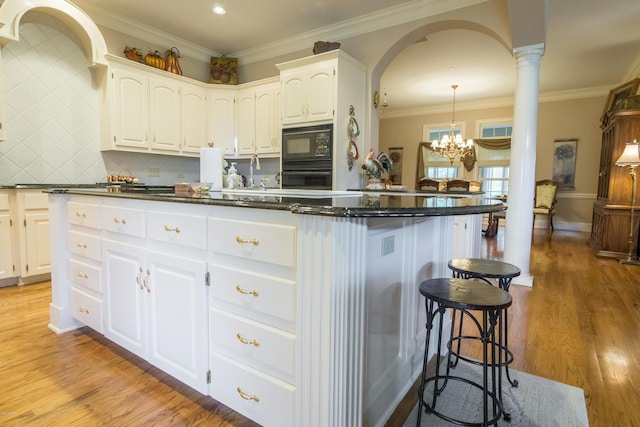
490 144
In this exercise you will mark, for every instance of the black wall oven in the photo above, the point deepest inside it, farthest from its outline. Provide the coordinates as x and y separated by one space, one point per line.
307 160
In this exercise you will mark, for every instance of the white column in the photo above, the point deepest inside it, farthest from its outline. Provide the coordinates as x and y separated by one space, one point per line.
522 171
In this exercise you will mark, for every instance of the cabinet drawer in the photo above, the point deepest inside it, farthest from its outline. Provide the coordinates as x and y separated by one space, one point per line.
254 343
272 243
84 214
259 293
262 398
83 244
187 230
87 309
85 275
123 220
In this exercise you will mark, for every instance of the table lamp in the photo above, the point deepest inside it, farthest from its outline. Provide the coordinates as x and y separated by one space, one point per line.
630 158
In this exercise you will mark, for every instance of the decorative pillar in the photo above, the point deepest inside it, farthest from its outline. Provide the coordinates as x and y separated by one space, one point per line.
522 170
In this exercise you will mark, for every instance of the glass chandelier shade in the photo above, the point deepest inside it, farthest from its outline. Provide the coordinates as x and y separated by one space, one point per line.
452 145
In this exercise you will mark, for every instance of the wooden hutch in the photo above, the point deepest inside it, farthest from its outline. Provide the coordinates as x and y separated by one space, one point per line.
611 211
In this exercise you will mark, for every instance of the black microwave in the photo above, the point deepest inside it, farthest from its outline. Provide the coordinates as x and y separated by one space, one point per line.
307 144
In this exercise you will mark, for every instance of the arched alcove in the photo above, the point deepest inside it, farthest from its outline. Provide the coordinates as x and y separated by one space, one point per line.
12 12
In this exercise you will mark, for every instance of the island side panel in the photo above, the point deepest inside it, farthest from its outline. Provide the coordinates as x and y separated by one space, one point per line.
345 265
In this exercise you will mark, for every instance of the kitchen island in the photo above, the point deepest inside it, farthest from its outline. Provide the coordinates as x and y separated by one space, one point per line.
292 310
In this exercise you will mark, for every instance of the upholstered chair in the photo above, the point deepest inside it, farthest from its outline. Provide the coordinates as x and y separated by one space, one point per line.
426 184
545 200
457 185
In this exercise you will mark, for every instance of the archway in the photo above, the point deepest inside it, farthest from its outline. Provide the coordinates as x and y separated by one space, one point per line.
12 11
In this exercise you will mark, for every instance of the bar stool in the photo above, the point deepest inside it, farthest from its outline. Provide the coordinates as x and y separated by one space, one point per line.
465 295
485 269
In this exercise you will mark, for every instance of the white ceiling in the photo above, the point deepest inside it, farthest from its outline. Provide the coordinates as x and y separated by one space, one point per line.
591 44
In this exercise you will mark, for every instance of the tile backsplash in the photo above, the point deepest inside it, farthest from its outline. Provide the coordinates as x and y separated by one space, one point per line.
51 115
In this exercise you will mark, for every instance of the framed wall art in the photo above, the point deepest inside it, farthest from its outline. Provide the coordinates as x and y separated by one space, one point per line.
564 162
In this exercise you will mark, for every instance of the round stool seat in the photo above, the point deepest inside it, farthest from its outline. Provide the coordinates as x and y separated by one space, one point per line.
463 294
485 268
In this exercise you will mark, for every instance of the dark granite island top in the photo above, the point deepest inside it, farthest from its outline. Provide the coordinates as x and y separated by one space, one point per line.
336 204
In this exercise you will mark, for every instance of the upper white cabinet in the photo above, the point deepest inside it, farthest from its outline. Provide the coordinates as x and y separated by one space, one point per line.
328 87
147 111
164 114
221 116
308 93
194 119
258 119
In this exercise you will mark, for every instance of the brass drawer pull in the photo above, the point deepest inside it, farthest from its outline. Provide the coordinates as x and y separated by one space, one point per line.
81 214
81 245
243 340
83 310
123 221
254 242
246 396
245 292
167 228
83 275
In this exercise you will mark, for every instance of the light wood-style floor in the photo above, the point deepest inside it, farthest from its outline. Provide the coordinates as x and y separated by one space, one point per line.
579 324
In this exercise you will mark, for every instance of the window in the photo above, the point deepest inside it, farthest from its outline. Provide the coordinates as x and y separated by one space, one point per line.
496 131
442 172
493 165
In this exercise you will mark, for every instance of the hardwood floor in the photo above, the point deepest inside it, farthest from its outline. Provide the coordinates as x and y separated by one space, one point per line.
81 379
579 324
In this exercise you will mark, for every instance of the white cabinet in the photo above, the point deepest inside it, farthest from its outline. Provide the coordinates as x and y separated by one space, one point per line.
156 299
246 121
151 111
129 109
84 269
252 316
164 114
194 119
33 217
221 116
259 119
7 264
308 94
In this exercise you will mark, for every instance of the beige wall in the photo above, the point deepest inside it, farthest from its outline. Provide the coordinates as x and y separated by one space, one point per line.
578 118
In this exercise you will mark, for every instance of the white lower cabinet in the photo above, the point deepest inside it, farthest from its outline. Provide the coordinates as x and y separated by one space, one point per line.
263 398
156 308
7 265
253 345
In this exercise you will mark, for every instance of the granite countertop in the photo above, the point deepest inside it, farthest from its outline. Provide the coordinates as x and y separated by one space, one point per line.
357 205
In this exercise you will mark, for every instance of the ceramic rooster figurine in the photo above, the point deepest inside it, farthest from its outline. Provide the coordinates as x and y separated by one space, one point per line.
374 166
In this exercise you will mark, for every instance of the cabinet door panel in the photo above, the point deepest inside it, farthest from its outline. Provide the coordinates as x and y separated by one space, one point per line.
265 121
320 95
222 120
6 247
37 232
194 120
177 318
293 108
126 293
131 109
165 115
246 122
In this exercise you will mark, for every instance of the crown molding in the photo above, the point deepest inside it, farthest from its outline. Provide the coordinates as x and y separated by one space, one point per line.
508 101
375 21
396 15
148 33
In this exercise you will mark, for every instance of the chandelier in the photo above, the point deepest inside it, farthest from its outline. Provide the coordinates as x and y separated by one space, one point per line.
452 145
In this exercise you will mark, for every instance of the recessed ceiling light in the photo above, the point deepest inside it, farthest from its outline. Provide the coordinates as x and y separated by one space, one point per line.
218 10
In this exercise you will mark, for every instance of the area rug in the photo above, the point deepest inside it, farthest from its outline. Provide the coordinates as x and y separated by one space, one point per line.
536 402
